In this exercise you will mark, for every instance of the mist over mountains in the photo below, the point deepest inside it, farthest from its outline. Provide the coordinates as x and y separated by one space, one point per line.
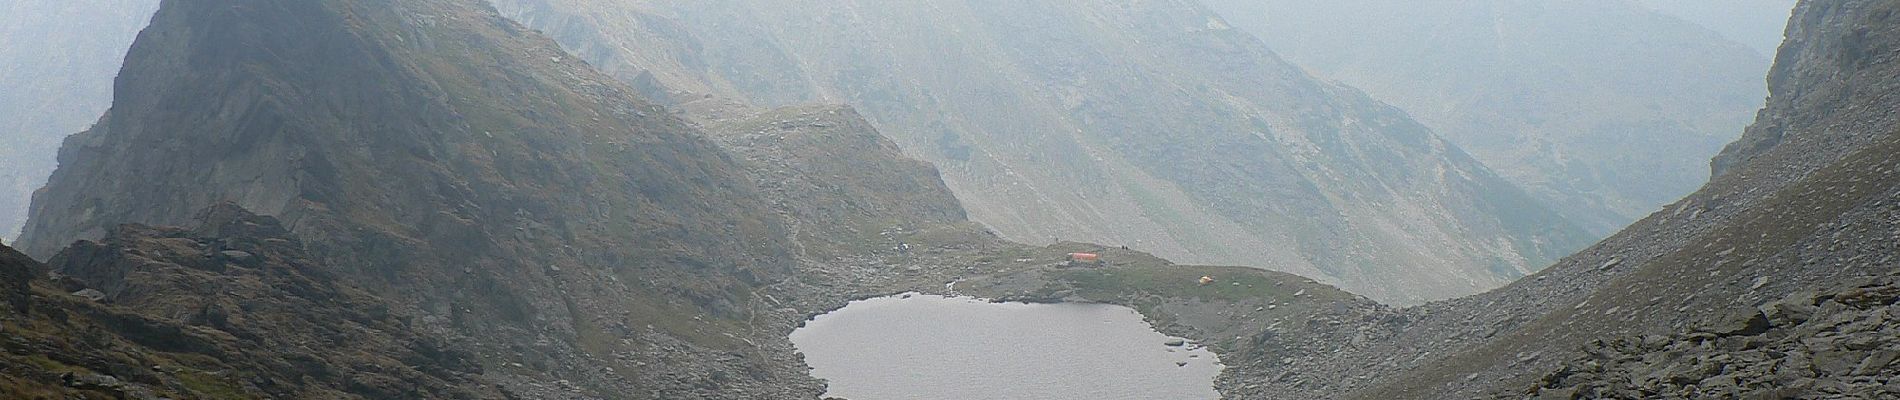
1756 23
1212 149
579 199
56 80
1603 110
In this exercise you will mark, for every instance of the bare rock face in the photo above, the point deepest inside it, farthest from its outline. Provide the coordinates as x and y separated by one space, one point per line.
1149 124
1825 83
493 187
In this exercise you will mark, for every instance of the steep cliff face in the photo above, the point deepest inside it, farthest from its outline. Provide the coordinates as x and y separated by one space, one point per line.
55 79
439 155
1605 110
232 309
1813 211
1150 124
1828 84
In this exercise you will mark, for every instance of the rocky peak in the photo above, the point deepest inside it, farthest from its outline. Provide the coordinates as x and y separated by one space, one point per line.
494 187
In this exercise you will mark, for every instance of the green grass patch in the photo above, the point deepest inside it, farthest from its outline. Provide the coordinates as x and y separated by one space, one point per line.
210 387
1230 283
50 365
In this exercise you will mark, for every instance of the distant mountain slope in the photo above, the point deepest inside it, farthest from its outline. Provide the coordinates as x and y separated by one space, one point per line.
1807 202
494 187
1604 109
1150 124
55 80
1756 23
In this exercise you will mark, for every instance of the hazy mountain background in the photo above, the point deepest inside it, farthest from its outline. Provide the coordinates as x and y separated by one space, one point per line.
1605 110
1149 124
456 204
462 209
690 49
1756 23
1801 210
57 60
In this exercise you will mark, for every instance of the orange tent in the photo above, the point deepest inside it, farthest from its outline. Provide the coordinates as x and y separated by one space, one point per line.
1085 257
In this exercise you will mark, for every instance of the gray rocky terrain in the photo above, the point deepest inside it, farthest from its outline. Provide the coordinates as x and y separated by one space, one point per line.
1838 345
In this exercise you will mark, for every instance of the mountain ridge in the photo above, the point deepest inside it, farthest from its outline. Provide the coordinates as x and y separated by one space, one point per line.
485 182
448 195
1214 152
1604 110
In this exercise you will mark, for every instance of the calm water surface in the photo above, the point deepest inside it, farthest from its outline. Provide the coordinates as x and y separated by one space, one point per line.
932 347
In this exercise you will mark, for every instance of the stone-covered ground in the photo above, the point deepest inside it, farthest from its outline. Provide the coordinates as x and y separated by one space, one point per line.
1837 346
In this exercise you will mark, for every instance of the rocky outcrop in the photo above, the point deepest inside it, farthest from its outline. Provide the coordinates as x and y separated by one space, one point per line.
231 309
1827 83
1150 124
1605 110
17 271
1842 344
